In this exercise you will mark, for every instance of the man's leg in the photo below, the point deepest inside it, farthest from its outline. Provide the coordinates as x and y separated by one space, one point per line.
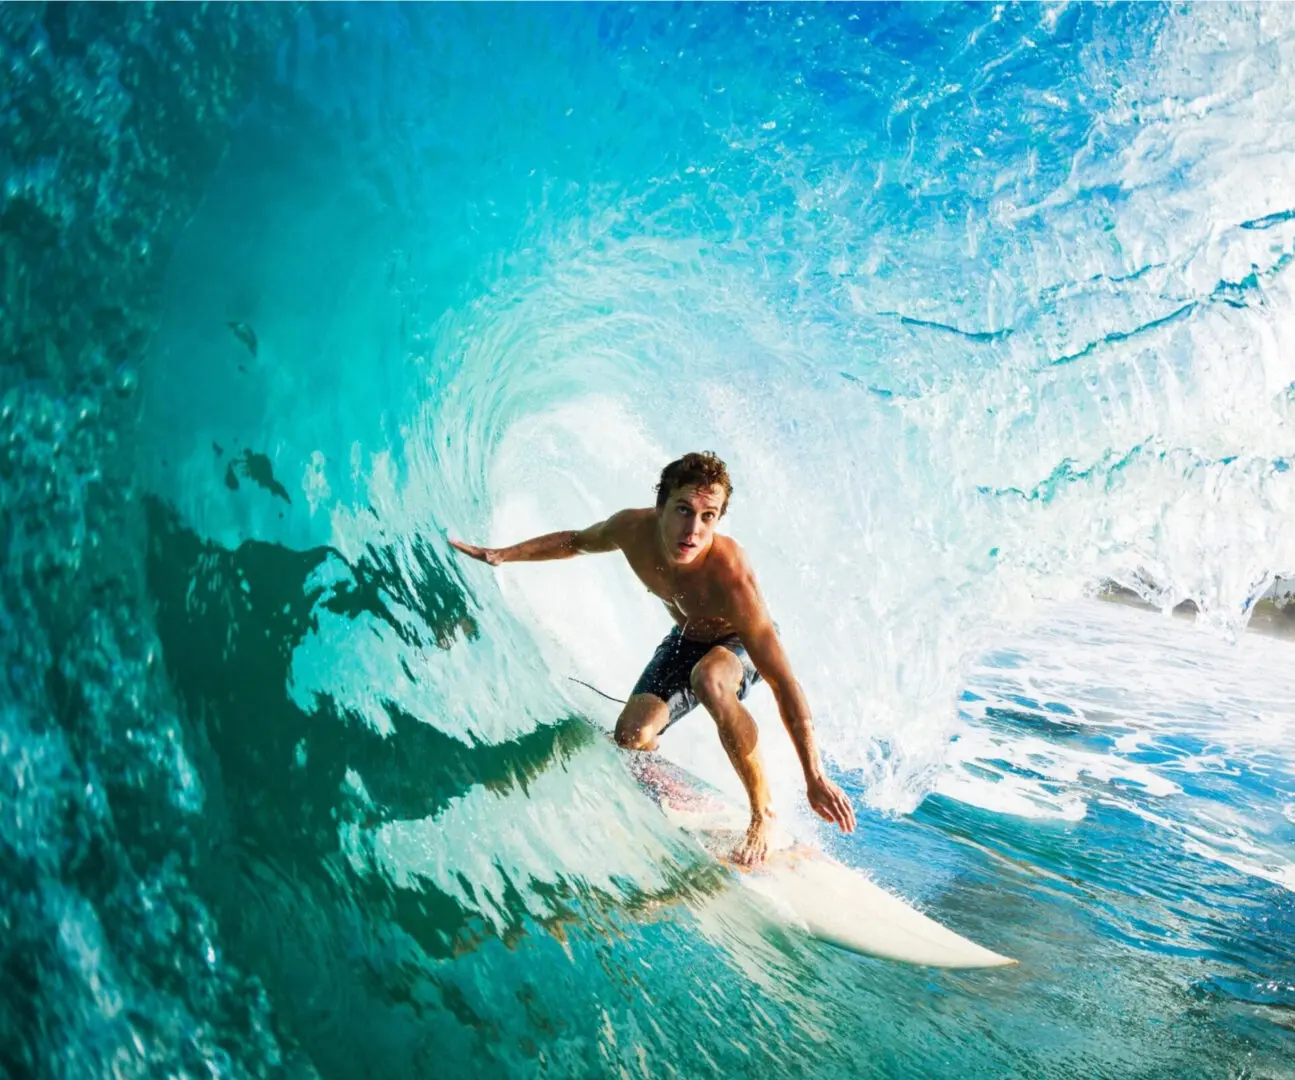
641 721
716 678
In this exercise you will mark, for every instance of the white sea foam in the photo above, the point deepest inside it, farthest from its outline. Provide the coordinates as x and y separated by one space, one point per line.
1162 719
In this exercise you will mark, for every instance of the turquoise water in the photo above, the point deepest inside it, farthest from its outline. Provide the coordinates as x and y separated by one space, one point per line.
984 306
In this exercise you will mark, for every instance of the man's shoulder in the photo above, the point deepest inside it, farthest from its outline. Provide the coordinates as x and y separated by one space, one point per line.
633 515
736 577
732 562
630 522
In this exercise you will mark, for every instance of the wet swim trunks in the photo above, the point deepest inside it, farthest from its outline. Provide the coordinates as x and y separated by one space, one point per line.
669 672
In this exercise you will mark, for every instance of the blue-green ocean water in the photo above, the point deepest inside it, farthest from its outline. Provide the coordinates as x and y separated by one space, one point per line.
984 306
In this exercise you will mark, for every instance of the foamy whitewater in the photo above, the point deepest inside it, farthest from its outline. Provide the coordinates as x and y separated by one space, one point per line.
987 308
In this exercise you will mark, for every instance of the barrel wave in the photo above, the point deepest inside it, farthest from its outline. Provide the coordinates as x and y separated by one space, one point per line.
988 309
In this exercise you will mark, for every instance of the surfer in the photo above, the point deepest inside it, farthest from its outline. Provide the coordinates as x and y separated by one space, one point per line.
723 641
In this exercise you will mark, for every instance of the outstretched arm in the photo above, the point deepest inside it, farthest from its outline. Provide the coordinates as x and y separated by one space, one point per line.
555 545
761 640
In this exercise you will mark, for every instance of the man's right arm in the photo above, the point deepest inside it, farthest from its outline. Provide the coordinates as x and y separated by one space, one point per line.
604 536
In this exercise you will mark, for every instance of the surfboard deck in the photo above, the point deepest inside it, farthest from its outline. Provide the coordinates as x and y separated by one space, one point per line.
804 886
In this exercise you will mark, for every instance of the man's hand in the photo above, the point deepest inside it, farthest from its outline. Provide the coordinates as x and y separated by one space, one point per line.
829 802
493 556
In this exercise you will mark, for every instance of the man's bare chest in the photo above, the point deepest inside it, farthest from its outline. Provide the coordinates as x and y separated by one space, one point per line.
696 597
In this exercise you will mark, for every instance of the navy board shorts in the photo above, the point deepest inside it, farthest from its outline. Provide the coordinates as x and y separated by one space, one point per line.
668 674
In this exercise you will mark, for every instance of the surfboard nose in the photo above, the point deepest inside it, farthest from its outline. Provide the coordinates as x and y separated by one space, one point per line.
841 906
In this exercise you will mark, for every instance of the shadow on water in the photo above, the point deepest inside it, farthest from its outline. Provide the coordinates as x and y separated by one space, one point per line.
339 943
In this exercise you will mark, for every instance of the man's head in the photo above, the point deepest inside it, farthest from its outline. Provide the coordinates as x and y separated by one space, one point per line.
691 497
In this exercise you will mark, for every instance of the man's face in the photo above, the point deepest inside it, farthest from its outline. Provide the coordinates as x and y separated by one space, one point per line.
688 521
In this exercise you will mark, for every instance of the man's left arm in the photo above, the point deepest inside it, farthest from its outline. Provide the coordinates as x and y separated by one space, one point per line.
758 635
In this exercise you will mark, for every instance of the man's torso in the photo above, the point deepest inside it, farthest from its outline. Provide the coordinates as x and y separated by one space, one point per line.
700 600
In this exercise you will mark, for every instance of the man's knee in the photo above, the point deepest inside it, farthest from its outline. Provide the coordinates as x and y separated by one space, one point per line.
713 682
640 722
632 738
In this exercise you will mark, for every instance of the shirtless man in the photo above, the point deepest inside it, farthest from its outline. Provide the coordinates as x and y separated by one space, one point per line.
722 644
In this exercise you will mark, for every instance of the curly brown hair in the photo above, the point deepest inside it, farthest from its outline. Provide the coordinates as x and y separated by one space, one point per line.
703 469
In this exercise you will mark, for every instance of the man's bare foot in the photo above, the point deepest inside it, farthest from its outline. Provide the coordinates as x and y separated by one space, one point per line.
754 849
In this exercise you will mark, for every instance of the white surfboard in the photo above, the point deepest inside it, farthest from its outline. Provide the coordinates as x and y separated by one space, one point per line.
806 887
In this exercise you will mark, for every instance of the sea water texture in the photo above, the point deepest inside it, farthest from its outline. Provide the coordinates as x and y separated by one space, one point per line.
985 306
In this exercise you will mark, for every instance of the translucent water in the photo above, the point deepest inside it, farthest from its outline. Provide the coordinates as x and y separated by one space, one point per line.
983 306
